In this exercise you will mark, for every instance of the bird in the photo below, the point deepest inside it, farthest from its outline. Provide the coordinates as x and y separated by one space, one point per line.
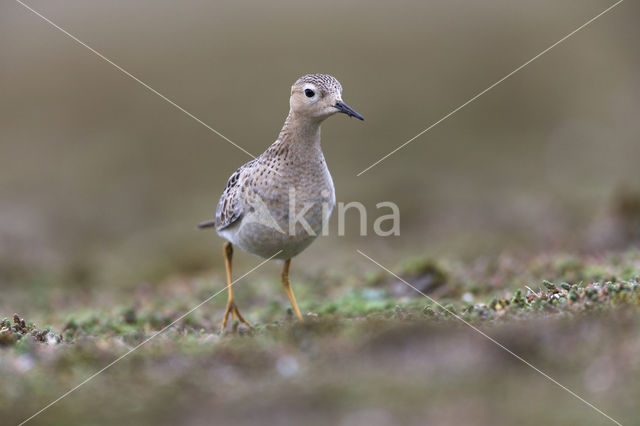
276 205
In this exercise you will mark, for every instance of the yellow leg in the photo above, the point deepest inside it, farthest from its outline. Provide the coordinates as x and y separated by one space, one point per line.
227 251
287 288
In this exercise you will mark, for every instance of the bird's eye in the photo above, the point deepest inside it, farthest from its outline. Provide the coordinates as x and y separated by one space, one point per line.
310 93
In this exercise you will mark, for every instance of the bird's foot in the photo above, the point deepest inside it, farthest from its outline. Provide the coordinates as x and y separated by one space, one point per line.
232 310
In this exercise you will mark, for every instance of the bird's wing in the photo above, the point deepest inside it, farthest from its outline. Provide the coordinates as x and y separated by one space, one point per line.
230 207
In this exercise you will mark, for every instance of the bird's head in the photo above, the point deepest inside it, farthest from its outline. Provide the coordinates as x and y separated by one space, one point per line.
319 96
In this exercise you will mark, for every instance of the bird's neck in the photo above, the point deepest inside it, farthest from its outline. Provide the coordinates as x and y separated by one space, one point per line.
300 131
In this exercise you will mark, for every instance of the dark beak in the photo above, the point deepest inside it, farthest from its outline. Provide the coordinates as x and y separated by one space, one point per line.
346 109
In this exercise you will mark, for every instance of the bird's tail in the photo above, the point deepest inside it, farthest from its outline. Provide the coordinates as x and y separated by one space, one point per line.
207 224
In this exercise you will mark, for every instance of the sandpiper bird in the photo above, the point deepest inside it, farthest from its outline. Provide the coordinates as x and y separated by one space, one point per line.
275 205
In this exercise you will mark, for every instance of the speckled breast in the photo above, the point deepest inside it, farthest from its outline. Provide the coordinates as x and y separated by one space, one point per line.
286 214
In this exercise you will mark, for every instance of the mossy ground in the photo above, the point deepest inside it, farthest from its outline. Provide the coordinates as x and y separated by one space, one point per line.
371 350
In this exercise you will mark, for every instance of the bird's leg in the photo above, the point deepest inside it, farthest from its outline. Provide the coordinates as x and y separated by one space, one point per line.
287 288
227 251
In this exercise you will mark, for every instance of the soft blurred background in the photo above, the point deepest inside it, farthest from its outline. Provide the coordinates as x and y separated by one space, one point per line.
102 182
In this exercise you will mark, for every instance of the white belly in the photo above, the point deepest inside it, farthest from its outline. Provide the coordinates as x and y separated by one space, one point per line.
276 227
